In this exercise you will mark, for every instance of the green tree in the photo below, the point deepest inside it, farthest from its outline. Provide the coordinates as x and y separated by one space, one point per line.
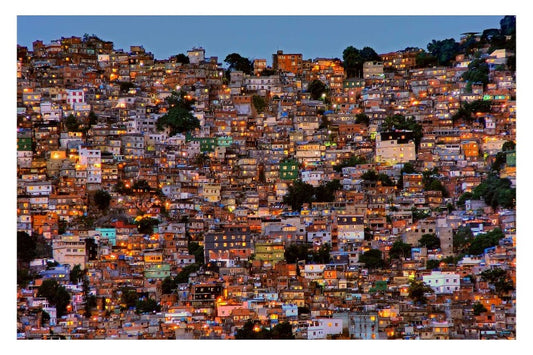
102 198
478 72
372 259
182 58
484 241
178 119
237 62
93 118
316 88
478 308
282 331
430 241
125 86
462 238
295 252
76 274
419 214
496 192
197 250
128 297
417 291
351 161
354 58
497 277
508 146
326 192
26 247
298 194
400 250
463 198
141 186
146 225
432 264
400 122
183 275
508 25
322 256
72 124
259 103
167 285
444 50
56 295
424 60
147 305
361 118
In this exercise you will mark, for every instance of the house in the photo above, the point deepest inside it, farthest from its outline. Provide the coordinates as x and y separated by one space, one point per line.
69 249
395 147
442 281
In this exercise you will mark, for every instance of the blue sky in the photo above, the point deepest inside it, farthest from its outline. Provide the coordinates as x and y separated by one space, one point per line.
255 36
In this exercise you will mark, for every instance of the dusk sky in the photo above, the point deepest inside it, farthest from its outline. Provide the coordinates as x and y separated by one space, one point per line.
255 36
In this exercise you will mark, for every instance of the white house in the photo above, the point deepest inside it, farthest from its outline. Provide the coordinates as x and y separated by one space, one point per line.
442 282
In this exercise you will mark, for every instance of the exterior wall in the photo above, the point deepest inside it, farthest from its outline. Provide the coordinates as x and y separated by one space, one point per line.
442 282
392 152
363 326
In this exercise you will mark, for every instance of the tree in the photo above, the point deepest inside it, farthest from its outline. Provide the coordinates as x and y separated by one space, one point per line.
102 198
126 86
432 264
295 252
496 192
508 146
56 295
316 88
298 194
26 247
351 161
400 250
178 119
444 50
250 330
198 251
259 103
372 259
322 256
361 118
354 58
128 297
400 122
237 62
146 225
498 279
93 118
72 124
486 240
141 186
182 58
326 192
478 308
76 274
417 291
508 25
462 238
463 198
167 285
147 305
430 241
424 60
478 72
183 275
